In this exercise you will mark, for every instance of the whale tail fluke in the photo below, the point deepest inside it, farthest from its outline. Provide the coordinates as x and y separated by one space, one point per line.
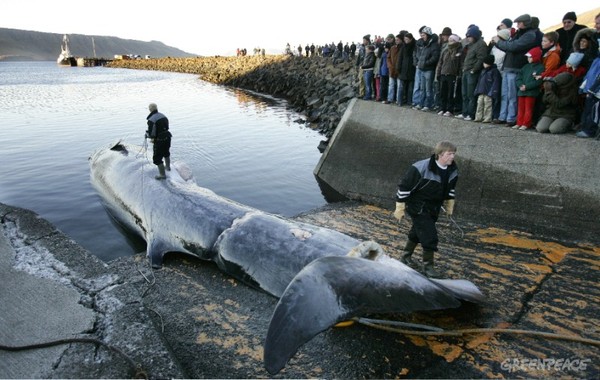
336 288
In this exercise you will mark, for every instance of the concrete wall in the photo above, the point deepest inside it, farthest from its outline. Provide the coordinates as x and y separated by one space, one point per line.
540 183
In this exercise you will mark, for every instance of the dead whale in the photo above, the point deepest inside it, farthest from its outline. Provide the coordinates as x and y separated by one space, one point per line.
320 276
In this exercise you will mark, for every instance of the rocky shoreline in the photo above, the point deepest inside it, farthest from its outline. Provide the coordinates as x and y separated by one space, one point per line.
313 86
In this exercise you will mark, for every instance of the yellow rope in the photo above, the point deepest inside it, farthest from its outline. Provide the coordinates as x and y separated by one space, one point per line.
462 332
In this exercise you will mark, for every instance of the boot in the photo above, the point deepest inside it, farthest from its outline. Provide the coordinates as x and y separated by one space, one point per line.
409 248
428 265
161 172
168 163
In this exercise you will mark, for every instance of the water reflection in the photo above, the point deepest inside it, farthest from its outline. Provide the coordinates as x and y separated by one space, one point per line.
241 145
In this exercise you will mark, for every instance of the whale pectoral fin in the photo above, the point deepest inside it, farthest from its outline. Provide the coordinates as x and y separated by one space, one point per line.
332 289
155 251
461 289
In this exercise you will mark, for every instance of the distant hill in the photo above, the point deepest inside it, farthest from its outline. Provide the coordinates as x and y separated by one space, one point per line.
585 18
25 45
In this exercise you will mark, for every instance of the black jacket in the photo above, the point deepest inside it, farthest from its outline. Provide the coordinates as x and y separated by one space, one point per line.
158 126
405 66
422 188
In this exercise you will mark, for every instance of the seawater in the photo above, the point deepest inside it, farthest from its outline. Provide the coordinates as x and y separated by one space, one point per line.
243 146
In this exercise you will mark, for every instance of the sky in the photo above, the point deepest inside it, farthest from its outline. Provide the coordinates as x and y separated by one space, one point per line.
218 27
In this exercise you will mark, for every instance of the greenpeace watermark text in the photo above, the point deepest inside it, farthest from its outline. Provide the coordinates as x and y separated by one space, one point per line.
547 364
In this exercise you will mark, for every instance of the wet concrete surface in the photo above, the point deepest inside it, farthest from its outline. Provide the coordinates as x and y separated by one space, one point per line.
201 323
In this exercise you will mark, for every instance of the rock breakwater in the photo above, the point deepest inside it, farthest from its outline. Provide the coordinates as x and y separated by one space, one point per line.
313 86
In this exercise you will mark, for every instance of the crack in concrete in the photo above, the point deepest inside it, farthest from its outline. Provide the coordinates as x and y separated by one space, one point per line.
529 296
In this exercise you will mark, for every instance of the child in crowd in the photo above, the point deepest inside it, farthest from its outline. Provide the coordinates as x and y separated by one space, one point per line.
550 52
384 74
448 69
586 43
561 104
503 34
529 86
376 69
573 66
499 55
487 90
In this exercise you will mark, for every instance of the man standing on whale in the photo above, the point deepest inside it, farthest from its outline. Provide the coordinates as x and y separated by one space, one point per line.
426 185
158 133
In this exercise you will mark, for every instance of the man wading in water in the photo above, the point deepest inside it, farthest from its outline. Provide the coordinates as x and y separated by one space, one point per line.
158 133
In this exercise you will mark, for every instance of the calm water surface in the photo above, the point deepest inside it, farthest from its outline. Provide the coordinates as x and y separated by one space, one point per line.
244 147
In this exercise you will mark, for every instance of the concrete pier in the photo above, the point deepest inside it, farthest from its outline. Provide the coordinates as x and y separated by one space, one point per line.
540 183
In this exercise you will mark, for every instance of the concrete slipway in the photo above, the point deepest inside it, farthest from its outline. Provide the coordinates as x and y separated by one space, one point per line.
190 320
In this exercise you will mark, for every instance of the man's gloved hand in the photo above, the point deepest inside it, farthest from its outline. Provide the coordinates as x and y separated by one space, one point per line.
399 212
449 206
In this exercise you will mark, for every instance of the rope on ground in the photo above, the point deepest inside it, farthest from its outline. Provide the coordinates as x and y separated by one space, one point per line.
139 372
383 325
398 323
150 283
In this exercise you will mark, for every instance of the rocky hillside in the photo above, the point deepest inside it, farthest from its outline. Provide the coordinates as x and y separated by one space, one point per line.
314 86
586 18
25 45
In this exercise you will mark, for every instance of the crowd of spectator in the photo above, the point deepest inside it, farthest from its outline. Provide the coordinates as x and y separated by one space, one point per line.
522 78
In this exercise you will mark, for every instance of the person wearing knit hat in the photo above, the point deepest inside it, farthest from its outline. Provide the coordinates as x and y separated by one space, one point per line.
392 62
447 72
487 89
535 54
417 93
158 133
507 23
474 32
529 85
454 38
515 47
368 66
446 32
504 34
427 59
443 42
566 35
362 51
472 65
570 16
572 66
575 59
489 60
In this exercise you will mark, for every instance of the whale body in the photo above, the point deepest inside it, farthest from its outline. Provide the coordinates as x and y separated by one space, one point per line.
321 276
